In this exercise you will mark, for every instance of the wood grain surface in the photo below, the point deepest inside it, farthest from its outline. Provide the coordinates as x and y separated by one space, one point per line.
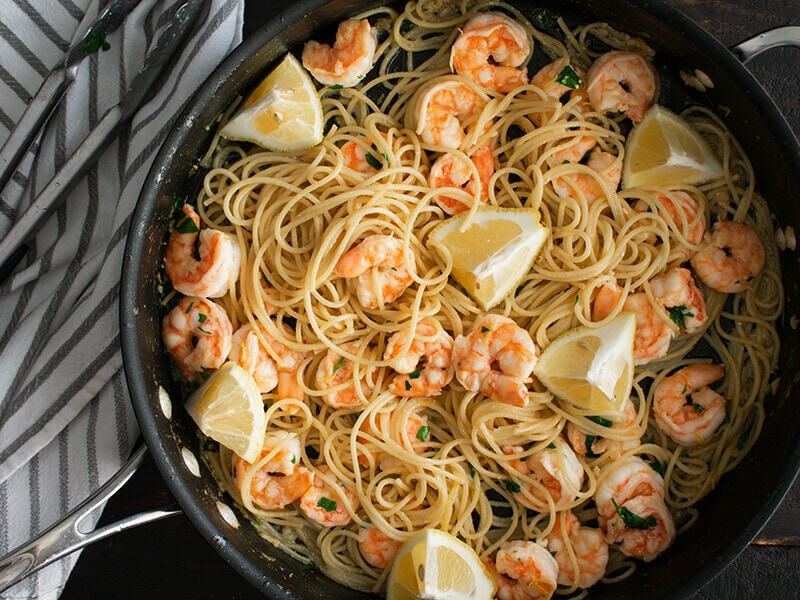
170 559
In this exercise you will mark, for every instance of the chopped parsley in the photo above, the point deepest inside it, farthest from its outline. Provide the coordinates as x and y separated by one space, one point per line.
186 225
406 26
202 317
569 78
372 161
588 444
512 486
415 374
200 329
632 520
326 504
335 86
485 329
472 470
339 363
698 408
551 446
423 432
95 42
600 421
678 316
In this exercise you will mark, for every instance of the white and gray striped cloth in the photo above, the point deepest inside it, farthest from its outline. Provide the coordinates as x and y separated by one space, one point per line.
66 423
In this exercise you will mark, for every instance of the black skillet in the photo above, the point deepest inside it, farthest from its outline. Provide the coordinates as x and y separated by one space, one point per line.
730 516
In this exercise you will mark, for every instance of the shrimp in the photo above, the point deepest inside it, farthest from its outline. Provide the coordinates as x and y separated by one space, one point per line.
653 334
288 363
359 158
523 571
197 334
626 479
335 373
684 212
642 526
496 341
248 352
686 409
376 547
450 170
327 504
350 59
489 50
276 479
593 446
621 82
730 256
378 265
607 166
677 293
557 470
426 366
581 552
218 266
441 112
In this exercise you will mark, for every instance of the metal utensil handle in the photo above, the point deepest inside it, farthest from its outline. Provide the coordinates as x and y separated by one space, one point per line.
66 536
774 38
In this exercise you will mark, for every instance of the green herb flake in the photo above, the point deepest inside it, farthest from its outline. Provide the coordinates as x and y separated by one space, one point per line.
485 329
408 385
372 161
632 520
588 445
678 316
202 317
415 374
600 421
512 486
551 446
200 329
95 42
186 225
472 470
335 86
698 408
339 363
423 432
406 26
189 308
326 504
569 78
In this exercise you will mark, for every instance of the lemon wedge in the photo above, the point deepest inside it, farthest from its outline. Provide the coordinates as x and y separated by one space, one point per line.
283 113
664 150
591 367
228 408
493 252
438 566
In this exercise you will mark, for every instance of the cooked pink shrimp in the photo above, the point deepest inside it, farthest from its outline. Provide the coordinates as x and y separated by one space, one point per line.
581 552
336 374
288 363
642 526
376 547
197 334
359 157
380 270
677 293
653 334
682 209
523 571
496 358
730 256
626 479
597 445
686 409
327 504
426 366
442 112
590 186
621 82
218 266
350 59
489 51
556 469
276 479
450 170
248 352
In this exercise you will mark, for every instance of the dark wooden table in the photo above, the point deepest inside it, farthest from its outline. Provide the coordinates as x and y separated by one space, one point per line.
170 559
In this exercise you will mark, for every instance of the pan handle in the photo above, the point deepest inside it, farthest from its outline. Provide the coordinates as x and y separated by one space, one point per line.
66 536
780 36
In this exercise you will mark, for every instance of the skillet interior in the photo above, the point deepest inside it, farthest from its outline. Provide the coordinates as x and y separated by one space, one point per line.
730 516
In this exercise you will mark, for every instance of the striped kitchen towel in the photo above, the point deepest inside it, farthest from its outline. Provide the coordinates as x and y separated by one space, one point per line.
66 422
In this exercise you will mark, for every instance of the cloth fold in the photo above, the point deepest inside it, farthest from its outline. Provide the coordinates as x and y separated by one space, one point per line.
66 421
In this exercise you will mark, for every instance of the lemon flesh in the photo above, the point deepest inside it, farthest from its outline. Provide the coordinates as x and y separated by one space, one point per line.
283 113
492 252
228 408
590 367
663 150
436 565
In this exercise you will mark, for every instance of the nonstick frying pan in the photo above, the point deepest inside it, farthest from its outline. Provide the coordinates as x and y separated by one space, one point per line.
730 516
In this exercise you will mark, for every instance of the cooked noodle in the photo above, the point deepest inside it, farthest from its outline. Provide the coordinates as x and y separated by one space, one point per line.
295 215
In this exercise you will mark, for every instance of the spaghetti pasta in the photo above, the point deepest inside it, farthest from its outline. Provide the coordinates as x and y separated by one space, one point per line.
450 458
